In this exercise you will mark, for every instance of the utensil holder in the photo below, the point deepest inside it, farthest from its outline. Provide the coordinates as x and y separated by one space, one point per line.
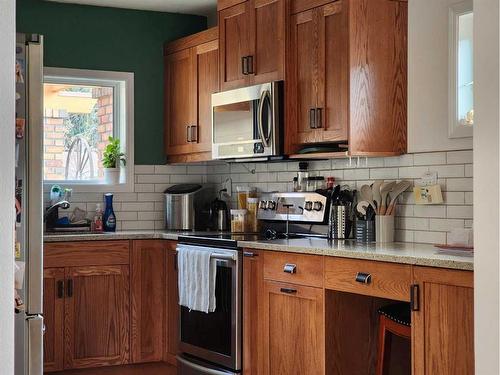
365 231
384 225
339 223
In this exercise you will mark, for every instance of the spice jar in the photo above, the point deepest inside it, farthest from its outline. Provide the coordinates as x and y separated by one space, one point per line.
238 219
252 223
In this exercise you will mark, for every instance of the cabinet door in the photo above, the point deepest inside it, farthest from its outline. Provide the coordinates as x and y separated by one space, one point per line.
294 340
180 101
253 278
147 283
333 86
268 36
53 315
303 77
207 74
442 328
97 316
235 43
172 298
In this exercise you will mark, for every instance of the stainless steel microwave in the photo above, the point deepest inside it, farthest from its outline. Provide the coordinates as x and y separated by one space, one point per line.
247 122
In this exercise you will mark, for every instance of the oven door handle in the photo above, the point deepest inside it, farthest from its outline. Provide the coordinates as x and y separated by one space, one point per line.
201 369
266 95
220 256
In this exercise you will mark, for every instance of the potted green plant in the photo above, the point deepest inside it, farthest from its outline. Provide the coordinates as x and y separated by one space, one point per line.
112 160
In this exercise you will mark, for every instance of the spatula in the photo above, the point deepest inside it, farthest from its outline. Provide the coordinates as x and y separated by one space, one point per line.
376 193
366 194
385 188
396 191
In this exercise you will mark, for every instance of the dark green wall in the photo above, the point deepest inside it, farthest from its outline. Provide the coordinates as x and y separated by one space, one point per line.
87 37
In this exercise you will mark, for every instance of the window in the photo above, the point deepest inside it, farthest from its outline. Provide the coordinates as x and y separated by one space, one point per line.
82 109
461 90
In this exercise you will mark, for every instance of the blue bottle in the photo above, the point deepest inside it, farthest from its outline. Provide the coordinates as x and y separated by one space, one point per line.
109 220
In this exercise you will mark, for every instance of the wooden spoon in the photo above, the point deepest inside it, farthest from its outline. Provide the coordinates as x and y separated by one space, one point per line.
385 188
396 191
376 193
366 194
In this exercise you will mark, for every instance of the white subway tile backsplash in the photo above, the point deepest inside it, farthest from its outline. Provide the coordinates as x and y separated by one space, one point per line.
459 184
459 157
459 212
144 208
430 158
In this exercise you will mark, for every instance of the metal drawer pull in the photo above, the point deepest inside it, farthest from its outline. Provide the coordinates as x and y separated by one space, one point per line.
414 297
60 289
363 278
290 268
288 290
70 288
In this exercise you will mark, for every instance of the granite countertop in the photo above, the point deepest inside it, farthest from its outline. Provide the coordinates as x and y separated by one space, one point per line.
396 252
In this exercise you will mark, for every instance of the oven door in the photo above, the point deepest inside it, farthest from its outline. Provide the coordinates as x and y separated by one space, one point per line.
216 336
246 122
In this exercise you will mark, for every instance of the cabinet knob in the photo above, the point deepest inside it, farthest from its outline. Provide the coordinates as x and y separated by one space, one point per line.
290 268
363 278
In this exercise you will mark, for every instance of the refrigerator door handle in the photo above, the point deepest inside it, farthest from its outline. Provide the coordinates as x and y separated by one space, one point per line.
34 194
35 344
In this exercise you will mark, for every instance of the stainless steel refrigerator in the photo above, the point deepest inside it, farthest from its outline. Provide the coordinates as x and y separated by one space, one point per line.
29 206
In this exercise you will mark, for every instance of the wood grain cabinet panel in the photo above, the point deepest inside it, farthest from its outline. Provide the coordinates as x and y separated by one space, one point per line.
252 43
53 315
172 309
97 311
235 44
191 77
307 269
346 73
252 305
180 101
443 326
293 329
147 283
386 280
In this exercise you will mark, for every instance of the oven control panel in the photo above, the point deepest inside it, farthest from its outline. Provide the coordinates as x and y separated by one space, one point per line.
298 206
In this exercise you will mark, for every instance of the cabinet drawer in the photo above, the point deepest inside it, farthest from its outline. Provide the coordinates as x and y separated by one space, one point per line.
85 253
294 268
372 278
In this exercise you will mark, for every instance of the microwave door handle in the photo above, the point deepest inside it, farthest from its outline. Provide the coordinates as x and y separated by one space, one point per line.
264 138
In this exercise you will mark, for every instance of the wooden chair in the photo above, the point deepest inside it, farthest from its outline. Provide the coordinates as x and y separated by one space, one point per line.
395 319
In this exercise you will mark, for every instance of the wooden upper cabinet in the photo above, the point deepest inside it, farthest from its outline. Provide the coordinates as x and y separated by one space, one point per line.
378 33
235 45
346 76
53 316
180 106
443 326
333 88
191 77
97 314
207 74
293 340
252 42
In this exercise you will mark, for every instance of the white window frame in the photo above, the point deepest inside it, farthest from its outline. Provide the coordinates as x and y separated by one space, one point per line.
123 84
455 128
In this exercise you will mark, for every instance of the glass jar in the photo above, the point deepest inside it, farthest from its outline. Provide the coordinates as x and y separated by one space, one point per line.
302 176
311 183
320 183
244 192
252 223
238 219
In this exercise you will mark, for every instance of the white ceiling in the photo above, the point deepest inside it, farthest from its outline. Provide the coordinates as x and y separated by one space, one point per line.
200 7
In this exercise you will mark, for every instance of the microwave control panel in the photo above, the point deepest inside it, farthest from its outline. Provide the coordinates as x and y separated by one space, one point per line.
298 207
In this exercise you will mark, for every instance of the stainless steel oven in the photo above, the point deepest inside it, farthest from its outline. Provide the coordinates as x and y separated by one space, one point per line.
211 343
247 122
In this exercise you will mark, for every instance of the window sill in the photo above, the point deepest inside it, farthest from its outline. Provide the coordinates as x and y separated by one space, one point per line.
127 187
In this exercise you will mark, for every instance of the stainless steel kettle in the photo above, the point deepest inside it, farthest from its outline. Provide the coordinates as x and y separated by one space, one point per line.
219 213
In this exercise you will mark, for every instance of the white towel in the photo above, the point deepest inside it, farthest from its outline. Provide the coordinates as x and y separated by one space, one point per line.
197 273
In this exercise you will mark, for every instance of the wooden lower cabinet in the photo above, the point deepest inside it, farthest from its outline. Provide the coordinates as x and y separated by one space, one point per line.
292 321
443 326
171 340
97 316
147 283
53 315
